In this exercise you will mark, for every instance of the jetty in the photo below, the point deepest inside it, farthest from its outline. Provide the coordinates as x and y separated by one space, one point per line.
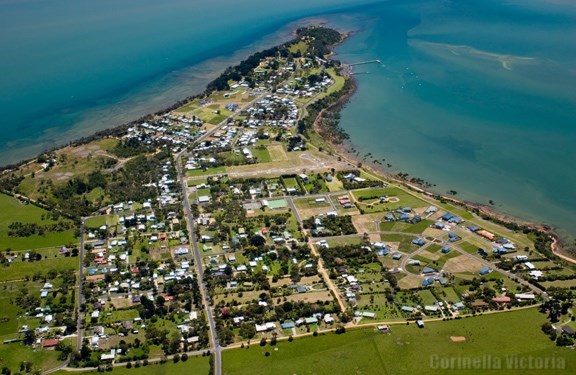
367 62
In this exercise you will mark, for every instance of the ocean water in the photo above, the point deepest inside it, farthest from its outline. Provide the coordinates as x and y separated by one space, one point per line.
71 67
474 96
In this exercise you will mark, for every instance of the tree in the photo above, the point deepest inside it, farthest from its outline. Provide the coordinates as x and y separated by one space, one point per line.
247 330
257 240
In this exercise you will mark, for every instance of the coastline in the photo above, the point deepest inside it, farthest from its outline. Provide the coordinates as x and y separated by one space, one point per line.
341 149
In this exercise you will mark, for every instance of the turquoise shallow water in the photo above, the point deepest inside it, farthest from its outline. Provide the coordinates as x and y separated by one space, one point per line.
70 67
475 96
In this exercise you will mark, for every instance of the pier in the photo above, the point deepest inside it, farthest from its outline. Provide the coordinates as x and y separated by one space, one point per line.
367 62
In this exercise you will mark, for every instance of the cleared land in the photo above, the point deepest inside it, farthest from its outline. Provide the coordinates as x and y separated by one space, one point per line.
15 211
407 350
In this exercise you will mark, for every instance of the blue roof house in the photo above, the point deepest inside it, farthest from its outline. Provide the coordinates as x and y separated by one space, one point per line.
447 217
428 270
418 241
428 281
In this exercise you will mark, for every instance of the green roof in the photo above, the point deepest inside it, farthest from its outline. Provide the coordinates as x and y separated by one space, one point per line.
277 203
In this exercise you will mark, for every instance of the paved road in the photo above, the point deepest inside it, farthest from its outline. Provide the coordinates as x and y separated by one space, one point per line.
80 322
200 271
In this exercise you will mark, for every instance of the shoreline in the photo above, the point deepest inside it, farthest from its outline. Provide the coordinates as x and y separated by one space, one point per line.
340 149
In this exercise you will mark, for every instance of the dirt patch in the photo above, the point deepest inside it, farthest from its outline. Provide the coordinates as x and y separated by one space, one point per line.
409 282
157 253
367 224
309 212
462 263
457 338
307 280
121 302
311 297
63 176
84 151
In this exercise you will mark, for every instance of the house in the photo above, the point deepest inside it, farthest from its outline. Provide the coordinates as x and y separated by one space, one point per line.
445 250
287 325
384 328
428 281
485 271
431 308
418 241
409 309
50 343
485 234
203 199
265 327
428 270
311 320
108 356
328 319
536 274
458 306
525 296
447 217
503 299
396 256
420 323
529 266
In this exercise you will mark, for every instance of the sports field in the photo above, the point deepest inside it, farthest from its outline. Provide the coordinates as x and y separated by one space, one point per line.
499 341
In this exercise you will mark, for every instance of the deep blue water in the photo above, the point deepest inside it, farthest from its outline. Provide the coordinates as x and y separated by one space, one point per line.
475 96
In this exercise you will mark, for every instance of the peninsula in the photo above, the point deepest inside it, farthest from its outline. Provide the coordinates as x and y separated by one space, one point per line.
229 235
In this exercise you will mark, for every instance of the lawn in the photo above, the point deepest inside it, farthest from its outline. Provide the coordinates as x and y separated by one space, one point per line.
408 350
262 154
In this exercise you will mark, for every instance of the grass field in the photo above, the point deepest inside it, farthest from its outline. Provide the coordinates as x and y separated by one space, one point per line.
408 350
262 154
404 241
11 210
194 365
19 270
200 172
11 355
404 199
